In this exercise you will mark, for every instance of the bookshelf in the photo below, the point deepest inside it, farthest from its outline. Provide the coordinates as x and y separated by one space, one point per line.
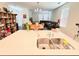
7 24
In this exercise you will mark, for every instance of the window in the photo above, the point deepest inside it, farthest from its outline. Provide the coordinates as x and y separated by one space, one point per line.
64 17
45 15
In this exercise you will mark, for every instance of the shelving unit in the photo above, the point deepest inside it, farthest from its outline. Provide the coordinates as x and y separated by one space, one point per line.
7 24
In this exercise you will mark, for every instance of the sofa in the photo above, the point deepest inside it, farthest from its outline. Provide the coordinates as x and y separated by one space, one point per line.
50 24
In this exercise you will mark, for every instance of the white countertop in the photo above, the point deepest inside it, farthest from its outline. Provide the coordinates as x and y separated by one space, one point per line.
24 42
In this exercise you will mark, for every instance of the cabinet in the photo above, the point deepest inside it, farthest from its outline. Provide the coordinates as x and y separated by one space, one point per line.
7 24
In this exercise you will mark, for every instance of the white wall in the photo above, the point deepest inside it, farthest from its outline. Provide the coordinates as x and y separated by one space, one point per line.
30 13
70 29
20 11
27 12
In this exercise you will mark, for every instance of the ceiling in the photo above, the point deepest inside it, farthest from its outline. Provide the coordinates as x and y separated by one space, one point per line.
44 5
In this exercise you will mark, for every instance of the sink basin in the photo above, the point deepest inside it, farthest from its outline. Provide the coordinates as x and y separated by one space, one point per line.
53 43
58 43
43 43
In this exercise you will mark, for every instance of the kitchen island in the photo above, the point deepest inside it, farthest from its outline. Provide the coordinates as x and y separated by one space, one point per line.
24 42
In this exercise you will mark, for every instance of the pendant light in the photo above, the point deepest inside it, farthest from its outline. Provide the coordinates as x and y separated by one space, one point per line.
38 8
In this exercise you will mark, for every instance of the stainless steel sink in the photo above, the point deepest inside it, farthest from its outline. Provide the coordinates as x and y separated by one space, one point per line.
43 43
53 43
